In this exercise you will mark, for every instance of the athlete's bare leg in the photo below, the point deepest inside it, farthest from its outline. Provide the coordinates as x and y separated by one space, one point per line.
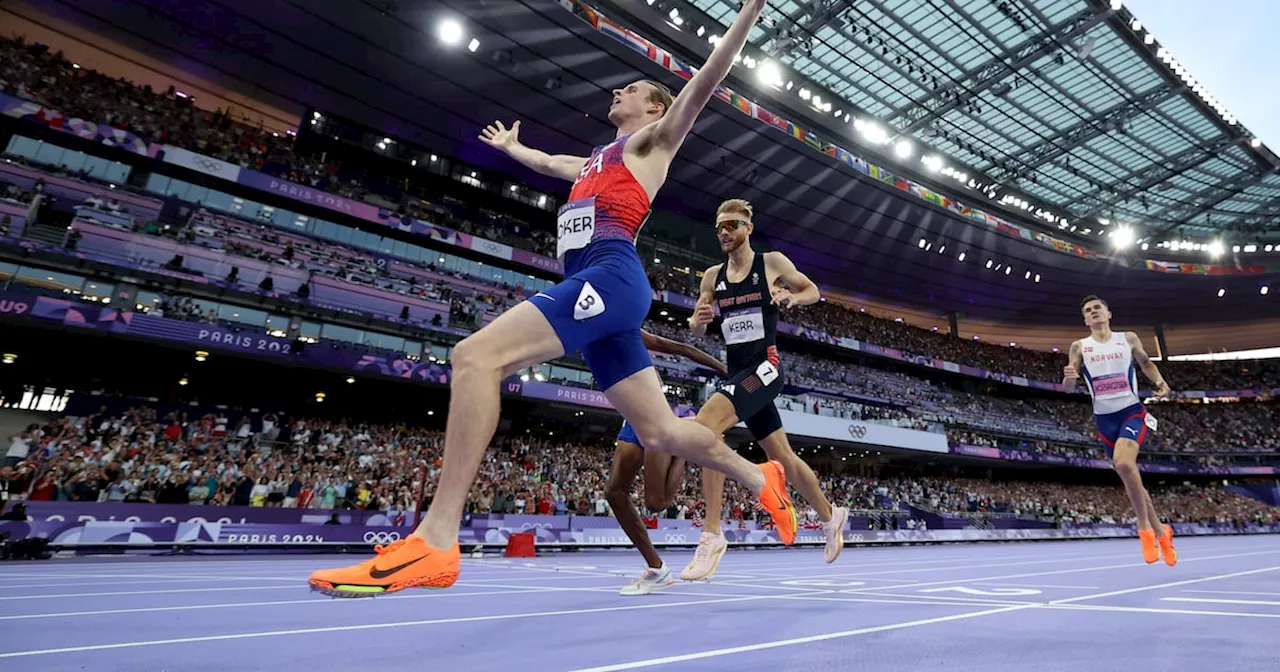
660 469
627 458
640 400
718 415
1152 516
799 474
519 338
1125 461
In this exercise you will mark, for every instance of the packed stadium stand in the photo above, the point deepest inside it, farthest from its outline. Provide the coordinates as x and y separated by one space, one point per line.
234 336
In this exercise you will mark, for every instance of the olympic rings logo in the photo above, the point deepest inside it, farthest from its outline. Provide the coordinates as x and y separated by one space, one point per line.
372 537
857 431
673 538
207 164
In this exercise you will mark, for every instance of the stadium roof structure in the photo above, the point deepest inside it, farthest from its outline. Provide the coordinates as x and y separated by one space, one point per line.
1070 105
855 217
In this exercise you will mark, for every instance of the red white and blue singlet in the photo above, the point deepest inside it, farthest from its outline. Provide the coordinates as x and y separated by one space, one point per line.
605 295
606 203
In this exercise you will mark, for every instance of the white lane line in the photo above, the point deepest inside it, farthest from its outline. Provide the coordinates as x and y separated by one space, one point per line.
1036 585
1056 572
374 626
1221 600
715 653
294 586
1172 584
324 600
1233 592
798 640
1154 610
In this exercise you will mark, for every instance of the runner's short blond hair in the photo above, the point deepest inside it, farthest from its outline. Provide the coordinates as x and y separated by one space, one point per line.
735 206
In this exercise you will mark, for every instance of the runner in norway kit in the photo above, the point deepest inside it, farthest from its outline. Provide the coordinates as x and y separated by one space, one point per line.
749 290
1106 359
597 309
663 475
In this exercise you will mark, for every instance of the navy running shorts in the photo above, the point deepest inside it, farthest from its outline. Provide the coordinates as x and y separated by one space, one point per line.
1131 423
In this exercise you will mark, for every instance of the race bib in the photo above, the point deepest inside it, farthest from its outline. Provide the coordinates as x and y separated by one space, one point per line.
575 225
1151 422
767 373
743 326
1112 385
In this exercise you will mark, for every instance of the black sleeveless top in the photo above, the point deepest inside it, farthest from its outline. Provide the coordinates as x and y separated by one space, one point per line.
749 320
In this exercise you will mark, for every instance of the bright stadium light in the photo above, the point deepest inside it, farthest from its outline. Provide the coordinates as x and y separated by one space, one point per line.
1255 143
875 133
805 94
933 162
903 149
769 73
1122 237
1222 293
1215 249
961 257
1116 5
475 44
450 32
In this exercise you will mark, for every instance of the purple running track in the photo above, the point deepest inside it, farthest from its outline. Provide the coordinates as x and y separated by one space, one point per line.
1074 606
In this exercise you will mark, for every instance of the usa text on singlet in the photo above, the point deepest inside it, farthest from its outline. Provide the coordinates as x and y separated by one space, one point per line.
606 203
749 320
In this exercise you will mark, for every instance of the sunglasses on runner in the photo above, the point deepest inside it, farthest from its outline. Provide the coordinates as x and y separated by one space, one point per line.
731 225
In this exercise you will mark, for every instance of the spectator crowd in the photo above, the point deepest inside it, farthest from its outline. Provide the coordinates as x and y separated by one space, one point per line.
139 455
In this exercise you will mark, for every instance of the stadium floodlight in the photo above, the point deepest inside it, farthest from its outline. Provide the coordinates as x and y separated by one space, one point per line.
921 245
1251 248
961 257
475 44
702 30
1235 248
450 32
769 73
805 94
1222 292
1149 38
1268 248
1263 290
903 149
1215 249
1145 246
875 133
1037 277
1122 237
1008 270
1136 25
933 162
1116 5
675 13
989 263
1255 143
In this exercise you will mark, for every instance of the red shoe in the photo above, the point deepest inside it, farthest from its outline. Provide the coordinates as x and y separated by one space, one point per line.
408 563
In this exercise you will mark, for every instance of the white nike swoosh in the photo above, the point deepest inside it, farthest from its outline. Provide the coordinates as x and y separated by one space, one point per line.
545 296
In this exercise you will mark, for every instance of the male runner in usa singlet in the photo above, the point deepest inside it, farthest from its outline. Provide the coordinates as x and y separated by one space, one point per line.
663 476
597 309
750 289
1106 360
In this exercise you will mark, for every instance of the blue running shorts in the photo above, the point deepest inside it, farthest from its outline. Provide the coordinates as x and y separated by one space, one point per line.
599 310
1130 423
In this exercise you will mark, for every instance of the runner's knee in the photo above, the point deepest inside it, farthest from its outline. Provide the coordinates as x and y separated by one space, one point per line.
472 354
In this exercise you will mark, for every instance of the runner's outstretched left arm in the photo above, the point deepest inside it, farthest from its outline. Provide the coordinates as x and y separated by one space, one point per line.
670 347
670 131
